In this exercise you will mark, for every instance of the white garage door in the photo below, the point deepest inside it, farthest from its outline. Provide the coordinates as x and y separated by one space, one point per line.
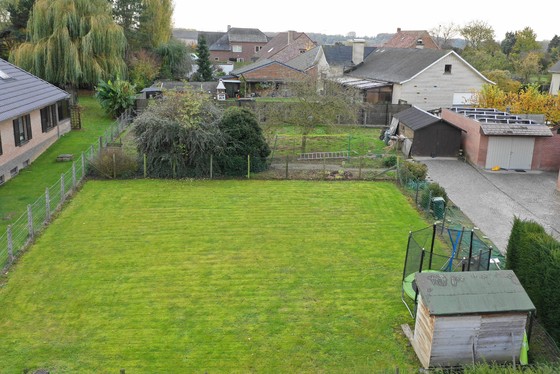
510 152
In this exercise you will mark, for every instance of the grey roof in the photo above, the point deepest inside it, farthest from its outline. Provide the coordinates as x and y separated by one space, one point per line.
222 44
255 65
416 118
497 123
305 60
342 54
22 92
397 65
185 34
555 68
360 83
474 292
238 35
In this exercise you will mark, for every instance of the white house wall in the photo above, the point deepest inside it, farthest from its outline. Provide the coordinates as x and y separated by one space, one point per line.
434 89
555 84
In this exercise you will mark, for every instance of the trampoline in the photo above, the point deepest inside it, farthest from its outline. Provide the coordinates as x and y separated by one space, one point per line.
409 283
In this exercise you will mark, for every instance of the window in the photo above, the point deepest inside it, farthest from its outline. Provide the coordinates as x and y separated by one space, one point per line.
240 59
258 48
63 110
216 59
49 118
0 144
22 130
14 172
25 163
447 69
2 180
236 48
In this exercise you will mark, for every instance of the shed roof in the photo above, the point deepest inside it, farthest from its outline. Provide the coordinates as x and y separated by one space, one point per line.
22 92
416 118
555 68
473 292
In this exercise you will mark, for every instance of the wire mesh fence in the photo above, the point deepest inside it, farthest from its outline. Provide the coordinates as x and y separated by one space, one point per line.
38 214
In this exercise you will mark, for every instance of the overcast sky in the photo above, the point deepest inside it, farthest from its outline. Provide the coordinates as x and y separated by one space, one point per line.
367 18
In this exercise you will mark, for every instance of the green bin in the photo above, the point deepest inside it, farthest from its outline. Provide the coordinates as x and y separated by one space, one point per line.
438 207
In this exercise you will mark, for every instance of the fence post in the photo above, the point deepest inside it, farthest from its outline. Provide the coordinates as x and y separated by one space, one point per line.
287 157
74 175
83 159
360 169
489 258
91 151
100 144
470 250
62 191
30 221
248 166
145 165
211 165
47 205
10 243
114 166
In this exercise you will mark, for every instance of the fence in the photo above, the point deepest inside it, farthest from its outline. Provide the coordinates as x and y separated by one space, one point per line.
24 229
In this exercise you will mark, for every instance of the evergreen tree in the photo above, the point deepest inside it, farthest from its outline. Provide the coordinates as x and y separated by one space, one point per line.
72 43
155 24
554 43
204 72
508 43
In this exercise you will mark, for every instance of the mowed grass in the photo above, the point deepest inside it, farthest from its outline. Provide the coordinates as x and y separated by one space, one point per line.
214 276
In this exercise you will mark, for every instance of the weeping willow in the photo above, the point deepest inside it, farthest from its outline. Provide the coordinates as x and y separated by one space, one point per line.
72 43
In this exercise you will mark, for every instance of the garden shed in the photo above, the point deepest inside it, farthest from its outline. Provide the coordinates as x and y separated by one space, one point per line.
426 135
469 317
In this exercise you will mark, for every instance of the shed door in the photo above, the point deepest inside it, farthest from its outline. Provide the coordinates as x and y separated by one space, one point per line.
510 152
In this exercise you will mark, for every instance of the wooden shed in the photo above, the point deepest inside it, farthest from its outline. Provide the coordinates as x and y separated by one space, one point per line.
426 135
469 317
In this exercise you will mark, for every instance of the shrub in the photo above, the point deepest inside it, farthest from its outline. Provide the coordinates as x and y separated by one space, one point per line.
115 96
114 163
244 137
433 190
415 170
390 161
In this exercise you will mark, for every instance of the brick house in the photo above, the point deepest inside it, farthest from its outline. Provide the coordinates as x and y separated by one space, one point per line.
411 39
285 46
237 45
492 138
33 115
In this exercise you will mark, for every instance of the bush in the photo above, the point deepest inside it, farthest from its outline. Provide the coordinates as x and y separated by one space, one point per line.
244 137
433 190
390 161
415 170
114 163
115 96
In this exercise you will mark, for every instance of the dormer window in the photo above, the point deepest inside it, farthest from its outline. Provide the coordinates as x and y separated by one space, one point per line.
447 69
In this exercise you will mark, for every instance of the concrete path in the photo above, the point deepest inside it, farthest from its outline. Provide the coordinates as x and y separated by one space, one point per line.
492 199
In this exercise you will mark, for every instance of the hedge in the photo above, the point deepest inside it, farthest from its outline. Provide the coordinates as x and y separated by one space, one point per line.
534 256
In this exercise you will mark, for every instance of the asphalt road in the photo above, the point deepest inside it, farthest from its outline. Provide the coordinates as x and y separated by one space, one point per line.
492 199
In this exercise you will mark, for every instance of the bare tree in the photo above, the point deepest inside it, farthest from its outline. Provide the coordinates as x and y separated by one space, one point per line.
443 34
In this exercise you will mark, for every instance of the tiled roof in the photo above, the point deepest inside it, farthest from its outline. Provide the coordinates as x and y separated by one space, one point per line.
497 123
242 35
409 39
278 43
306 60
22 92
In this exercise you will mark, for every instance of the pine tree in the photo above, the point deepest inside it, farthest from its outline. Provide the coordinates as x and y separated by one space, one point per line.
204 72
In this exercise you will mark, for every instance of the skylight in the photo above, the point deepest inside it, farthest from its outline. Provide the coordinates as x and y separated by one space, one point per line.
3 75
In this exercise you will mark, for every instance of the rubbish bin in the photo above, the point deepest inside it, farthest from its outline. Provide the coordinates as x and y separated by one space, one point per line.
438 207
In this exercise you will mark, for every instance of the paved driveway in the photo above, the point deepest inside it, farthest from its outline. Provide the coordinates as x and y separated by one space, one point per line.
492 199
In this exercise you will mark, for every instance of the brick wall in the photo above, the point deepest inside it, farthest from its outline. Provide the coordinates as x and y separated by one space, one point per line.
546 154
473 142
274 72
19 157
247 52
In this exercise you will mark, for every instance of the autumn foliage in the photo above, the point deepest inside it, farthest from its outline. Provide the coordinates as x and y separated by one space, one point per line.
528 100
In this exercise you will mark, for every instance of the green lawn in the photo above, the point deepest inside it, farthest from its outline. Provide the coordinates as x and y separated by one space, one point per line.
214 276
32 181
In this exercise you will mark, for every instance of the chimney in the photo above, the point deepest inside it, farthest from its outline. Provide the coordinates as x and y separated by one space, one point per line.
358 47
228 27
420 44
290 36
398 29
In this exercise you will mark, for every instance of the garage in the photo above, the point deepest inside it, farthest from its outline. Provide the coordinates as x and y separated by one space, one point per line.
510 152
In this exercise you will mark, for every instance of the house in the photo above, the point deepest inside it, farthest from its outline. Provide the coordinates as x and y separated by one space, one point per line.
555 83
331 61
427 135
469 317
285 46
496 139
190 37
266 78
411 39
33 115
427 78
237 45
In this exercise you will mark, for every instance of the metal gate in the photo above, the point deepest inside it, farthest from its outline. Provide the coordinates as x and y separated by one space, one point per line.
510 152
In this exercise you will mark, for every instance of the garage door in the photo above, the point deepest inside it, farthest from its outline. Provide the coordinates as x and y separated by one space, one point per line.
510 152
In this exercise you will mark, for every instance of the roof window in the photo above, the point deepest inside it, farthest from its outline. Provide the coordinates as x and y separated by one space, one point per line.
4 75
